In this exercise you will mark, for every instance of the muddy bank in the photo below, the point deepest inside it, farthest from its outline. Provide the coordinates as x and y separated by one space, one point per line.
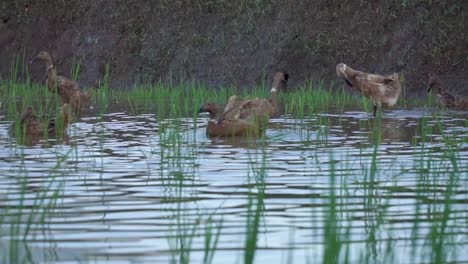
223 43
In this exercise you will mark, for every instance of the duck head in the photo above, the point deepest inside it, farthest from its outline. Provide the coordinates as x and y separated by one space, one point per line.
43 55
211 108
280 81
341 72
433 81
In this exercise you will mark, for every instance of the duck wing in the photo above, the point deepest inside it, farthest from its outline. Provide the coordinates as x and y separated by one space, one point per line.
231 110
66 87
233 102
67 83
243 117
255 110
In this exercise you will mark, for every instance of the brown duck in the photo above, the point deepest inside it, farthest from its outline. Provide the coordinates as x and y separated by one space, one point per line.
33 126
244 117
67 89
445 98
249 118
382 90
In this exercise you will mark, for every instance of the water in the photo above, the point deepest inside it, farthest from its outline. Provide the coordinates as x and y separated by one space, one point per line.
131 189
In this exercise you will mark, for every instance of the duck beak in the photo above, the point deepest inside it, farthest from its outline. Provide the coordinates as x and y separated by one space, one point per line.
430 87
202 109
348 82
34 59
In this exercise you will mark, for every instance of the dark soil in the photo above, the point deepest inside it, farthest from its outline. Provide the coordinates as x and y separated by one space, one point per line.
238 42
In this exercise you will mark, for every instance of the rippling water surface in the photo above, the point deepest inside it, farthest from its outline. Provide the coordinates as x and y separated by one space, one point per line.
132 188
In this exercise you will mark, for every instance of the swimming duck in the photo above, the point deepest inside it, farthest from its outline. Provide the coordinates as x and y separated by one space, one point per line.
67 89
382 90
244 117
445 98
33 126
249 118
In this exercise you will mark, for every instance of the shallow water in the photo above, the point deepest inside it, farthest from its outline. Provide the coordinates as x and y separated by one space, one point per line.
131 189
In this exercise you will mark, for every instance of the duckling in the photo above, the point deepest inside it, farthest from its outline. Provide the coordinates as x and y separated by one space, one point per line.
445 98
67 89
382 90
33 126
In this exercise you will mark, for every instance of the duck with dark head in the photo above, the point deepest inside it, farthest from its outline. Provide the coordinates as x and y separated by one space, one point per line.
213 109
382 90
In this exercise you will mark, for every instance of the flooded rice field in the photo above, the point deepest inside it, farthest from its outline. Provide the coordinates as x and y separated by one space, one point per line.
126 188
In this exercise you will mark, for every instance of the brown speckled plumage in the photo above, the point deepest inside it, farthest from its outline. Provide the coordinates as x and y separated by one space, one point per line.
33 126
67 90
445 98
382 90
240 118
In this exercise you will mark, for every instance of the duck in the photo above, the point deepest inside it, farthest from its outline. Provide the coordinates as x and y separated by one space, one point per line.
249 118
31 125
445 98
244 117
67 90
382 90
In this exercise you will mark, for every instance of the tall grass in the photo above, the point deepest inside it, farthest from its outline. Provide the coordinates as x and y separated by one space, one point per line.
185 98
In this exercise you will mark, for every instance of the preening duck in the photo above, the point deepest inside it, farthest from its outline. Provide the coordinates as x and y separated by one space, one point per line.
249 118
382 90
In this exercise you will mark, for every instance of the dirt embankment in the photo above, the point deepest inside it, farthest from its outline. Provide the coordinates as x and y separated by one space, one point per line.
239 42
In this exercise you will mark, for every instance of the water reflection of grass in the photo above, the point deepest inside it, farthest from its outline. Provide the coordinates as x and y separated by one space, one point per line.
257 182
26 209
177 159
438 176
